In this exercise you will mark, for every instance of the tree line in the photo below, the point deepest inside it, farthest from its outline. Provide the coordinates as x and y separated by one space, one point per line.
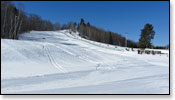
15 21
100 35
11 20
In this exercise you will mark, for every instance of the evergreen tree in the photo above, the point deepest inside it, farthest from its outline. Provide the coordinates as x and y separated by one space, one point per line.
147 34
88 24
82 22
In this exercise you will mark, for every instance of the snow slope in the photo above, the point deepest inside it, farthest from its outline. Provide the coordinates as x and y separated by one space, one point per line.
60 62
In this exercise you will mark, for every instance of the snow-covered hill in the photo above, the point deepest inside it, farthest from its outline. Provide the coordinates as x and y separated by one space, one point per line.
60 62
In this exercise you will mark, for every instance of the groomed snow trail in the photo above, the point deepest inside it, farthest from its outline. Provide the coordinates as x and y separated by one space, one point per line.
59 62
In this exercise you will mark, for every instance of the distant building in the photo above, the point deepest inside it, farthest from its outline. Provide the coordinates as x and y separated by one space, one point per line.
153 51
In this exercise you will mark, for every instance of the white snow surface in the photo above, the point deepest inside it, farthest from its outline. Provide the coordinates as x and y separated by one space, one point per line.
57 62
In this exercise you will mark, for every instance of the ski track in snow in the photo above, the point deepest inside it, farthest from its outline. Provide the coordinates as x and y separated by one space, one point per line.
53 62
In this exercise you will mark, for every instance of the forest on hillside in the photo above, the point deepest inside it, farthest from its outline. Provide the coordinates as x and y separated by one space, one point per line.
100 35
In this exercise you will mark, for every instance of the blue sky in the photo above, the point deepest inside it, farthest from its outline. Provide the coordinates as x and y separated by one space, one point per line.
116 16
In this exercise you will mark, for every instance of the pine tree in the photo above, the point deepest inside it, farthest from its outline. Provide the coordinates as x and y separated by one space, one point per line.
147 34
82 22
88 24
81 27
